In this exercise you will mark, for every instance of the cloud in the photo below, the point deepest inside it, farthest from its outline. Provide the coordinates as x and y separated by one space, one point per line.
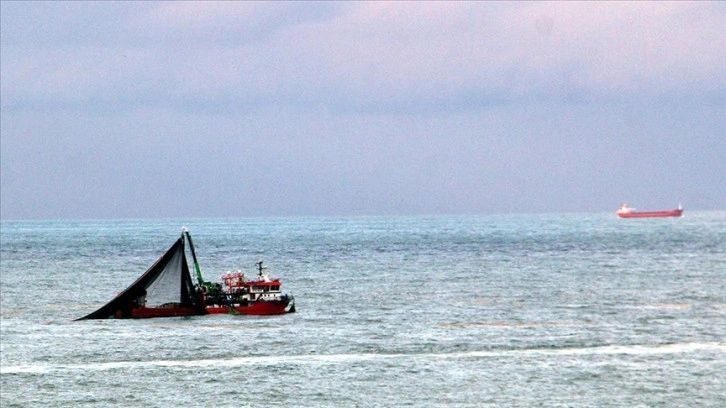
374 56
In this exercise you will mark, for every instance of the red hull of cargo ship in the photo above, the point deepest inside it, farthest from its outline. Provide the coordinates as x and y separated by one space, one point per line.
652 214
627 212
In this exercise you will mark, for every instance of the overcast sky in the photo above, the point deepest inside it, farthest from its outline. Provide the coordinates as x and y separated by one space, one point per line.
185 109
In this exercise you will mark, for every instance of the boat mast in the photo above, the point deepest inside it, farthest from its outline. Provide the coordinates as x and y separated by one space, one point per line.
201 281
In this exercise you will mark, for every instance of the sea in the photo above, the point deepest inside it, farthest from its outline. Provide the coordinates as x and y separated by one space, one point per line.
511 310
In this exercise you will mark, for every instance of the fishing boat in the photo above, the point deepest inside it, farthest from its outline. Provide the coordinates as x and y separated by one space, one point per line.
166 289
626 211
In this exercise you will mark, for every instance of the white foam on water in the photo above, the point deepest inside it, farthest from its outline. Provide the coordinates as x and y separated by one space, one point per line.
608 350
337 358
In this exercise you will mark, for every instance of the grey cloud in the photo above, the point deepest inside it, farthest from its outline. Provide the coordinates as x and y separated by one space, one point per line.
401 56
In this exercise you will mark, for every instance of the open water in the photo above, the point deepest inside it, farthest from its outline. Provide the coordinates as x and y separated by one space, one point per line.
557 310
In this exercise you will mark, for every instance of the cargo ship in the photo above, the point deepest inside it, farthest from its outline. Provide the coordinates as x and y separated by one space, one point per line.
626 211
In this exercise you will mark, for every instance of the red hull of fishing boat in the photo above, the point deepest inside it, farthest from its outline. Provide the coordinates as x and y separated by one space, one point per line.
257 309
265 308
149 312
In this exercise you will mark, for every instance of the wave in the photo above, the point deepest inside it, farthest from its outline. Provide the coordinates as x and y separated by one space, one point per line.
514 324
660 349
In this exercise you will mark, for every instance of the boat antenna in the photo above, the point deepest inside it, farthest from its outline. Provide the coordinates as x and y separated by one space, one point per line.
260 267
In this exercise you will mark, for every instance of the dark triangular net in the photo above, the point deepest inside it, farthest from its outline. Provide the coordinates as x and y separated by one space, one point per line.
166 283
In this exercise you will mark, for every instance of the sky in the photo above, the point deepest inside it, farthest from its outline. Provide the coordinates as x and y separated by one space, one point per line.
113 110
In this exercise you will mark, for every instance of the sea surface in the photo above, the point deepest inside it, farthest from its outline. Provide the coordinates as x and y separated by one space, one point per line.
555 310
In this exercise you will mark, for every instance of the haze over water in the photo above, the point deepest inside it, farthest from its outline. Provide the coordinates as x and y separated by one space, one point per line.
461 311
